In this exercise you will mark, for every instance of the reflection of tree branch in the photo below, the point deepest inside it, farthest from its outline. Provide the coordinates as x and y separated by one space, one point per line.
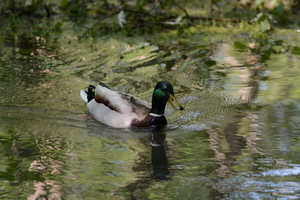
215 19
102 19
201 18
139 12
184 10
108 16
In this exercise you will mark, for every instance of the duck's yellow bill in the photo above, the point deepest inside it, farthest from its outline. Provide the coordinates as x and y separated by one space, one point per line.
175 104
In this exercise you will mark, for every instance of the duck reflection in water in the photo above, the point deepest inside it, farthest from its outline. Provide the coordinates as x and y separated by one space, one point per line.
159 157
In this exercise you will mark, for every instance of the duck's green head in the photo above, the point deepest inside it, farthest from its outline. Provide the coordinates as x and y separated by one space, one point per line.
163 93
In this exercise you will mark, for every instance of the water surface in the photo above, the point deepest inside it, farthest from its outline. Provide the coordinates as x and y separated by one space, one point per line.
238 137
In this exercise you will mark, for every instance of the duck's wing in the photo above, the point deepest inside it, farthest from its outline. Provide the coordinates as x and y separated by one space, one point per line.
138 106
120 102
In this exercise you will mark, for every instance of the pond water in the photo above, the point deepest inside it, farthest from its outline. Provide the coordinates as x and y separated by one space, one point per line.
238 137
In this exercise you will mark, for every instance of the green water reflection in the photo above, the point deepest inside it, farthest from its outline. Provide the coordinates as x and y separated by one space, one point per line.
238 137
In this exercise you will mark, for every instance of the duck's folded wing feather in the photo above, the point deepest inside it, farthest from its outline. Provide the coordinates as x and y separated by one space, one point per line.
122 103
138 106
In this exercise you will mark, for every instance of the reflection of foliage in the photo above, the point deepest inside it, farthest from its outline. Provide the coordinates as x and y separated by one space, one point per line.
149 15
263 22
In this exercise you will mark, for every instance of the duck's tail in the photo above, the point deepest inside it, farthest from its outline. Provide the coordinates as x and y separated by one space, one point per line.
87 96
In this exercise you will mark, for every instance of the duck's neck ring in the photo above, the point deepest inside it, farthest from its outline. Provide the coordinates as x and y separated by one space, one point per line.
156 115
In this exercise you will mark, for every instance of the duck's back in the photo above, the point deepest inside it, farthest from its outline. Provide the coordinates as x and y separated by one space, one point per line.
114 108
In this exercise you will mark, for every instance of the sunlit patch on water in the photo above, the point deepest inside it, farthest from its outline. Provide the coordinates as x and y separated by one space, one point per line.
283 172
256 187
264 182
243 188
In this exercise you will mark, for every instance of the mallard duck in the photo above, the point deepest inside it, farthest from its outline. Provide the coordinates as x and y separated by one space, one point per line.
121 110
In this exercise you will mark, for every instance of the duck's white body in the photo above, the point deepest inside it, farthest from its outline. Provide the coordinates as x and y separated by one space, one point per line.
112 118
114 108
